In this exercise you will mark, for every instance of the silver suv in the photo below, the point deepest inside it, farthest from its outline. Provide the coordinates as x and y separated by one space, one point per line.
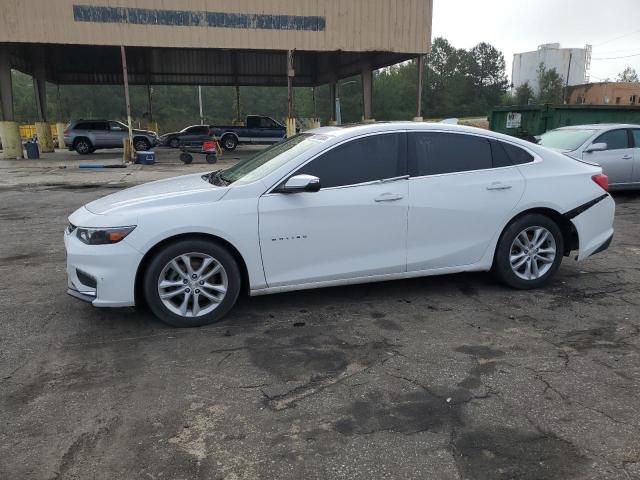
86 136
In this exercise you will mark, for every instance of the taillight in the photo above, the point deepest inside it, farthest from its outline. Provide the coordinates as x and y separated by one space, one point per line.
602 180
66 132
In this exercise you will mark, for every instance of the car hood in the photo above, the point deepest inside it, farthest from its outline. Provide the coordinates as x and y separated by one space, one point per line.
183 190
146 132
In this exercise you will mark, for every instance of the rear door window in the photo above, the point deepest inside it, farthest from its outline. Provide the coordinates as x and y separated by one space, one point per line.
636 137
615 139
366 159
435 153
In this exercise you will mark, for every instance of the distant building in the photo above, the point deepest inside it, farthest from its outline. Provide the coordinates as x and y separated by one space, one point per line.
571 62
605 93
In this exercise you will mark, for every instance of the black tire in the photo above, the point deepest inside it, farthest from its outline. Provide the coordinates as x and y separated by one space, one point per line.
502 267
83 146
186 158
182 247
211 158
174 142
141 144
229 142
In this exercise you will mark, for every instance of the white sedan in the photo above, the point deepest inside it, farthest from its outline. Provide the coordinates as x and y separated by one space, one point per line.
338 206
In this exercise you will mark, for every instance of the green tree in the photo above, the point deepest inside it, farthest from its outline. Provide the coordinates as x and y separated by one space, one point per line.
524 94
551 85
628 75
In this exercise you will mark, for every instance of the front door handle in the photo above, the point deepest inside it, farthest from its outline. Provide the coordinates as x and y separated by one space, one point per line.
499 186
627 157
389 197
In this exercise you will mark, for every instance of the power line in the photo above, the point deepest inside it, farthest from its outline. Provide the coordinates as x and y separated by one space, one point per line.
615 58
618 38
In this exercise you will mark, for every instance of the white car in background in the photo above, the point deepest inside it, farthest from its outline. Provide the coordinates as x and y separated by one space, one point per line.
615 147
338 206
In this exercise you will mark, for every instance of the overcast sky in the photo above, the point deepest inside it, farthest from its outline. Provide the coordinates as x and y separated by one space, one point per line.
515 26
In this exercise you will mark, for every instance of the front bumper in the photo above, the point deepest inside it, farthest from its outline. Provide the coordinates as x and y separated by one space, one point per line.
103 275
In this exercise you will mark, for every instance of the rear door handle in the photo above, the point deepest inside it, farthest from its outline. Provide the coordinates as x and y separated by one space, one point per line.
499 186
389 197
627 157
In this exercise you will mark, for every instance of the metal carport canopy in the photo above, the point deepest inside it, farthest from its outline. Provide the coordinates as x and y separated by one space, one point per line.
98 64
212 42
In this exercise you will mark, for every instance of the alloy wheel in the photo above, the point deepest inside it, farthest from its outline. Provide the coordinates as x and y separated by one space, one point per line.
192 284
82 147
532 253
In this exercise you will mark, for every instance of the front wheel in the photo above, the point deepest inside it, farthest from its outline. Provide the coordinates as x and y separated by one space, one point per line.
174 142
141 144
529 252
192 283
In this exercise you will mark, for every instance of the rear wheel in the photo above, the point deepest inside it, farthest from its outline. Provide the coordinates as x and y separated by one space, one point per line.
192 283
529 252
186 158
83 146
229 142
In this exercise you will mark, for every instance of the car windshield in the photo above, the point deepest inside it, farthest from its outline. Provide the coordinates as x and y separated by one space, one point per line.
565 139
266 161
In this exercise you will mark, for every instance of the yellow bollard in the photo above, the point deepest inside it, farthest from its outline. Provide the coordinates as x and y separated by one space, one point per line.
43 132
315 123
11 141
60 134
418 119
291 127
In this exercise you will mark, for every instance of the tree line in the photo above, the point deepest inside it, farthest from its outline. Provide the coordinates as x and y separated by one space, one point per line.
457 83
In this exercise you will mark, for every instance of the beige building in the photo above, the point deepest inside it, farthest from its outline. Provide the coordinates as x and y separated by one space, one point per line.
605 93
297 43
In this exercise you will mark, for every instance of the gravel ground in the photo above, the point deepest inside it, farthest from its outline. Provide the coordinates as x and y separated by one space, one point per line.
452 377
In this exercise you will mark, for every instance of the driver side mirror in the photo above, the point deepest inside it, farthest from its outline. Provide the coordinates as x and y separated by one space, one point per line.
299 183
596 147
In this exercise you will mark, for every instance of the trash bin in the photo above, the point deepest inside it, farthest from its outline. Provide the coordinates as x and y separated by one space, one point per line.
33 152
146 158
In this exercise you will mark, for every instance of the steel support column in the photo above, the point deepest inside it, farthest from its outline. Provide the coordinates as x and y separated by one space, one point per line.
6 86
420 62
291 121
367 92
9 130
125 76
332 98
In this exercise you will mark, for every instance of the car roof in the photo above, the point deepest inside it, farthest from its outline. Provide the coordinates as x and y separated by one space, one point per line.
348 131
599 126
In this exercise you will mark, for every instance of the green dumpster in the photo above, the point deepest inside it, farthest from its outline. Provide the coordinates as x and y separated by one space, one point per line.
530 120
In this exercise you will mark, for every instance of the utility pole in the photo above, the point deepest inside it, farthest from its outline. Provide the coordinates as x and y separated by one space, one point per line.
566 87
125 75
200 103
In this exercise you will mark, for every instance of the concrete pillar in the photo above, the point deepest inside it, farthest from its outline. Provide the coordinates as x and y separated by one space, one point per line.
11 141
420 62
45 139
367 93
60 134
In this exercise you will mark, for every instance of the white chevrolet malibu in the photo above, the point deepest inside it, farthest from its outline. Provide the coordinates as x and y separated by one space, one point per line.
338 206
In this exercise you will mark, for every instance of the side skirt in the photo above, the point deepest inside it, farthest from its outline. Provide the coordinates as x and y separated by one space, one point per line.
368 279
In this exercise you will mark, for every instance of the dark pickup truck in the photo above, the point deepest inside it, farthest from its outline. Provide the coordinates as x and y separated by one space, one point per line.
258 130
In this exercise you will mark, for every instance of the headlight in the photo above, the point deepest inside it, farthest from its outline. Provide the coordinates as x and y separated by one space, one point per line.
102 236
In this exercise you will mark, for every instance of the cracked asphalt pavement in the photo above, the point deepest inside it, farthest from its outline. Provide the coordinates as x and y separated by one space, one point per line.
452 377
